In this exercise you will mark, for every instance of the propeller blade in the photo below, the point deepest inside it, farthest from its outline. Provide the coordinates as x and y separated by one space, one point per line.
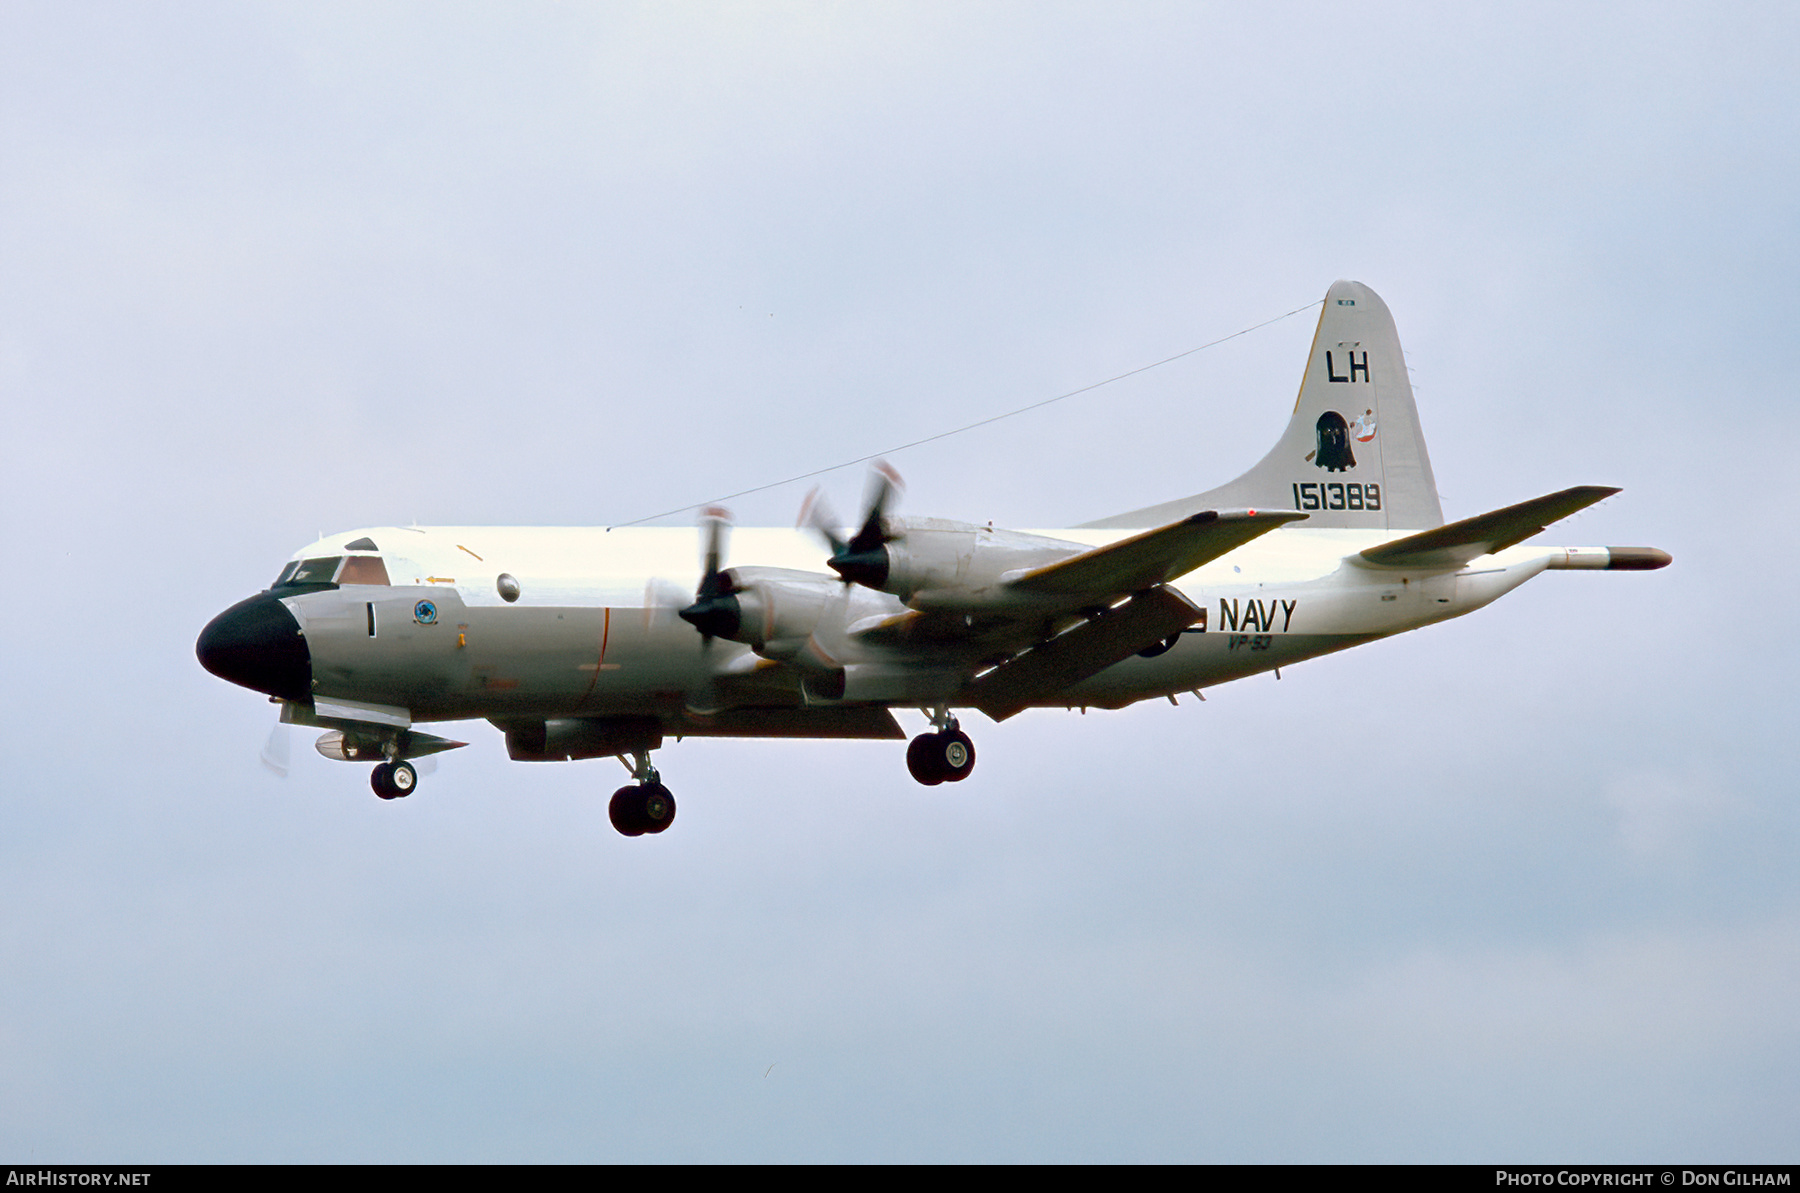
704 699
716 522
816 513
663 600
820 659
864 559
275 751
715 612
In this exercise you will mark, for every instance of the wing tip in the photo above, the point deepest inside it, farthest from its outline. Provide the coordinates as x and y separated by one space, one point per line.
1637 559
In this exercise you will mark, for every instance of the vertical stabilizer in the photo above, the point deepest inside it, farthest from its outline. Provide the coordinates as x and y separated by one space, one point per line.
1353 454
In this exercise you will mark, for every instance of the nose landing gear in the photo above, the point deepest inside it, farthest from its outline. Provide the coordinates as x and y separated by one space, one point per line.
945 756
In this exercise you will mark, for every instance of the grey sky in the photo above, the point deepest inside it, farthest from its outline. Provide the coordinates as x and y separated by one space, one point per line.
1518 886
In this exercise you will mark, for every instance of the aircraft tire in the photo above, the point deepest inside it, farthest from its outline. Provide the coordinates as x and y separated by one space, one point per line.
402 778
925 760
656 807
626 811
958 755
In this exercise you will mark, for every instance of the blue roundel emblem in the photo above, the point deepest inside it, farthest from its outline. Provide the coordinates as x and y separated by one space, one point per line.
424 612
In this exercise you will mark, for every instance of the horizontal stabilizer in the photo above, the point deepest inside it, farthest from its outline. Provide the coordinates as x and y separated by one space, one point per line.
1155 556
1090 647
1459 542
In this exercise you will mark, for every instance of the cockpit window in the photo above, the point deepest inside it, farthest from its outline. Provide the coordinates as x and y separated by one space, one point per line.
362 544
363 569
287 574
316 571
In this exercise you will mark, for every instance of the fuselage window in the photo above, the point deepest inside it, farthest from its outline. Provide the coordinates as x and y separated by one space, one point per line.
316 571
363 569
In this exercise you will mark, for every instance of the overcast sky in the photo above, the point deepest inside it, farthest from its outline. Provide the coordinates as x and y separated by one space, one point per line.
1520 886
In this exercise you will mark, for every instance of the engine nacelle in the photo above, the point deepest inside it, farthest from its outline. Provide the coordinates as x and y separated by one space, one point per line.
375 744
932 555
350 747
779 606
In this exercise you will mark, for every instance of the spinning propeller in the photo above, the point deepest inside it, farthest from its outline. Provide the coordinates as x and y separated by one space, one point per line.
276 756
715 611
864 558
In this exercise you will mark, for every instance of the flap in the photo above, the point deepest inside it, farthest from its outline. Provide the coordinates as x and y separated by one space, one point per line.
1094 645
1459 542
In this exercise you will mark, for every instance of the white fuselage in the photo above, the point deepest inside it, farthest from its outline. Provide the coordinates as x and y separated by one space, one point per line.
593 631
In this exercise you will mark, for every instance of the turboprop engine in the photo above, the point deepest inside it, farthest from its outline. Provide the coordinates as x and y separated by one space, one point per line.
932 563
777 609
777 612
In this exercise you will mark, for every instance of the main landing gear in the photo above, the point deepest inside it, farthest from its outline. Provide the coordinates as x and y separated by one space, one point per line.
644 807
944 756
394 780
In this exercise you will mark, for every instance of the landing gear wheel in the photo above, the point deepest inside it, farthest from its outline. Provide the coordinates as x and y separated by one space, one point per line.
644 807
626 813
924 761
945 757
640 809
394 780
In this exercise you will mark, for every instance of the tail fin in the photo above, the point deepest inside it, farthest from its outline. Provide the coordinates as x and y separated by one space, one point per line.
1353 454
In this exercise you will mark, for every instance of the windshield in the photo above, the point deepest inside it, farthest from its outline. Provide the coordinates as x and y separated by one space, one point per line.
363 569
356 569
308 571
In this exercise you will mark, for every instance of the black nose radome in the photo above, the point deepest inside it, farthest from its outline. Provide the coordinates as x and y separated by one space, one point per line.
257 643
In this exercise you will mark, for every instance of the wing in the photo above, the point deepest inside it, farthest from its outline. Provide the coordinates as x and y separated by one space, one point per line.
1153 557
1048 627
